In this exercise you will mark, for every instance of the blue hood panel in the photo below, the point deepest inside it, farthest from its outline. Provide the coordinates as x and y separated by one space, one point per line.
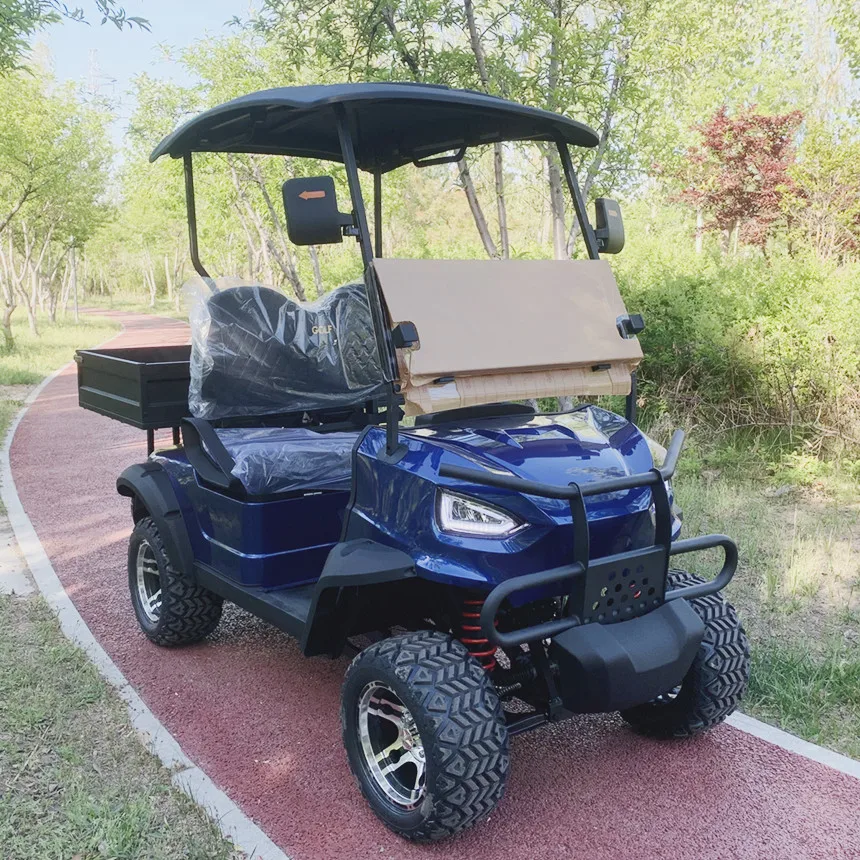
589 444
395 499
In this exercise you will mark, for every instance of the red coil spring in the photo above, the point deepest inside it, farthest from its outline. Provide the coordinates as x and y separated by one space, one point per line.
479 646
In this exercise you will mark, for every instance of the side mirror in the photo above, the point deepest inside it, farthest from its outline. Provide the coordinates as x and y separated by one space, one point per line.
313 218
610 227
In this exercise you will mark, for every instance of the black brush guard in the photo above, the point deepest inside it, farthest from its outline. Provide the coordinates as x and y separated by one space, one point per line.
593 582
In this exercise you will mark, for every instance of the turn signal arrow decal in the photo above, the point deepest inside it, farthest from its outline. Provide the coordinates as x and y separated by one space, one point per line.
311 195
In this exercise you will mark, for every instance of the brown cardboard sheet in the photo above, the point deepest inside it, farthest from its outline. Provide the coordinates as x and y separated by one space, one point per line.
507 330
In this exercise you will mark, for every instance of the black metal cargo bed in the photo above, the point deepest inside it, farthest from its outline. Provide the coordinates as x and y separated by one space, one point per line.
145 386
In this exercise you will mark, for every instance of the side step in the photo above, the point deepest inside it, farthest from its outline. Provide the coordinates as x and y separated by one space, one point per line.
287 609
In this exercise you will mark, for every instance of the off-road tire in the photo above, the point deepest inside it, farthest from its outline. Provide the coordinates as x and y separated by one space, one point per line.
714 684
461 723
188 612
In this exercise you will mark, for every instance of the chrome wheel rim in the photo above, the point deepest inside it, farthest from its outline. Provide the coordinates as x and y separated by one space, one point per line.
148 582
391 745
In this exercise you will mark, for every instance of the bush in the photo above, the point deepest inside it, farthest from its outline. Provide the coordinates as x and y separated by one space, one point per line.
748 341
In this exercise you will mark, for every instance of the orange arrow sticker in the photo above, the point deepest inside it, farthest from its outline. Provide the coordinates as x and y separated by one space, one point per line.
311 195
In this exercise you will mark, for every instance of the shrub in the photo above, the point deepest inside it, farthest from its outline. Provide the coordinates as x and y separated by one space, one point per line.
748 341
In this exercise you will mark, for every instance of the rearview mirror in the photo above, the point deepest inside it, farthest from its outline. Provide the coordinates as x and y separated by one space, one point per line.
609 231
313 218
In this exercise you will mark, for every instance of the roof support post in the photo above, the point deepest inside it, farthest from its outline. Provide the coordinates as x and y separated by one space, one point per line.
191 207
377 212
393 412
578 201
348 152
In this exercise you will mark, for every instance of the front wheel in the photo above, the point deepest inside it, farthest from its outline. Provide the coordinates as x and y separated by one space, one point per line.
714 684
425 735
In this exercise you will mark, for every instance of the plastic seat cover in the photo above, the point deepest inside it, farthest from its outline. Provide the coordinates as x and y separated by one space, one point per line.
273 460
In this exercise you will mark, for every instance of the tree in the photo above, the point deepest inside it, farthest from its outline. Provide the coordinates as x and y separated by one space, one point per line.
739 173
53 172
21 19
826 204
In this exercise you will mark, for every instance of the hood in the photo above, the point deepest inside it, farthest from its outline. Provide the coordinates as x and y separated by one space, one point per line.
589 444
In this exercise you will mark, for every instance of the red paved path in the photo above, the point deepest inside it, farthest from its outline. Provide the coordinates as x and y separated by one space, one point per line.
263 721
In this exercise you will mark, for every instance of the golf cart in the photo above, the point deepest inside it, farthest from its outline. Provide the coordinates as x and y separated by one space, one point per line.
503 568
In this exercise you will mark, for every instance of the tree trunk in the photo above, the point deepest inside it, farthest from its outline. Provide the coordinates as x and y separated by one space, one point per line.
498 155
315 262
8 339
168 274
31 318
553 168
477 212
556 199
73 281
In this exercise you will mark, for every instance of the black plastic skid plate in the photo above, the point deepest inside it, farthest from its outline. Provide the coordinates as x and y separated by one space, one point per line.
610 667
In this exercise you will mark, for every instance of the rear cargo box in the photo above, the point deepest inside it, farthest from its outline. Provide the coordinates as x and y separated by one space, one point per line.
146 387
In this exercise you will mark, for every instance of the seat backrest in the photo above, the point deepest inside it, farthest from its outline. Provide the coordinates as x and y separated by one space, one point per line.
255 351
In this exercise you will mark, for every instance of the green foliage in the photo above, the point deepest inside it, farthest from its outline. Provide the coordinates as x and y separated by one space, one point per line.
36 357
746 341
77 781
815 697
21 19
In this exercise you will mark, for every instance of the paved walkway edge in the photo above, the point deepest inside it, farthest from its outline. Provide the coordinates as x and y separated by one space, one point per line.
794 744
186 776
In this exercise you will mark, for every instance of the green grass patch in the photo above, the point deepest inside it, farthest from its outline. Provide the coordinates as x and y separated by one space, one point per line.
34 357
797 590
74 779
816 697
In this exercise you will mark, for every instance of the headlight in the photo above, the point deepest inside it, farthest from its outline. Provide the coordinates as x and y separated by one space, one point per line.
658 455
461 515
658 452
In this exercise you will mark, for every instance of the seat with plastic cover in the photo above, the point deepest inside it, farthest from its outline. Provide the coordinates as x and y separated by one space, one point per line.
257 352
271 460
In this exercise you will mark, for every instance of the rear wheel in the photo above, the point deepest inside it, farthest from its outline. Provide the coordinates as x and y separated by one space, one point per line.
425 735
170 609
714 684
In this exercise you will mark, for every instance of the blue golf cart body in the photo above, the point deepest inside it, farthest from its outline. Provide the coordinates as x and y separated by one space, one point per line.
534 546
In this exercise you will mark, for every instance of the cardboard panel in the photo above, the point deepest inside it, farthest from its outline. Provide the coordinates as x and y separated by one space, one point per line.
488 317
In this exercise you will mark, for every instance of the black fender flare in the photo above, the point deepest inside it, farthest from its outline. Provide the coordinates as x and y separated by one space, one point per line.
152 493
350 567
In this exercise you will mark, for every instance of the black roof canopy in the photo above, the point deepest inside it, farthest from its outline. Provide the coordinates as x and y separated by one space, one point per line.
392 124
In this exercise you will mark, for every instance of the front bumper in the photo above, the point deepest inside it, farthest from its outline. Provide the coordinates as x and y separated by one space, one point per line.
617 588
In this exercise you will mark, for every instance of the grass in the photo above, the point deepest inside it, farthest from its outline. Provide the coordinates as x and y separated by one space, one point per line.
35 357
75 781
797 587
137 303
814 696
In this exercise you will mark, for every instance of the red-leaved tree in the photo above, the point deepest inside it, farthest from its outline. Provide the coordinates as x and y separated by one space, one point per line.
738 175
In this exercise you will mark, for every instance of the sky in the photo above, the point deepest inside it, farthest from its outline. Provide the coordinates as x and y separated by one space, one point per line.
102 55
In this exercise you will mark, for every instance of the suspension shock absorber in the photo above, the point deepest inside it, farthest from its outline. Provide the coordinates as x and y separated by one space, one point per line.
472 637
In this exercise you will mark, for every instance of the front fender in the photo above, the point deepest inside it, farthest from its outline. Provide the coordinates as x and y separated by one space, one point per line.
152 494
